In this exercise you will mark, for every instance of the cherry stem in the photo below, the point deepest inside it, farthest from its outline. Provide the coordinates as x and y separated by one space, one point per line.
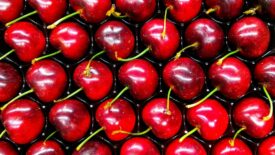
50 136
87 69
2 133
220 61
45 56
165 20
20 18
203 99
195 45
113 12
168 112
69 96
211 10
232 141
53 25
135 57
266 118
109 104
17 97
88 138
188 134
133 134
252 11
5 55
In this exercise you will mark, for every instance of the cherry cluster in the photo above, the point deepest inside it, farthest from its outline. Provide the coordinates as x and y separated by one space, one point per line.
150 77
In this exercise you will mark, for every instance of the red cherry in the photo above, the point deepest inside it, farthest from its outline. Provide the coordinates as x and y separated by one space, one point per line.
48 147
267 147
94 148
10 9
264 7
116 39
23 120
71 119
249 114
7 149
162 124
183 11
245 33
188 146
224 147
139 146
185 77
26 40
10 82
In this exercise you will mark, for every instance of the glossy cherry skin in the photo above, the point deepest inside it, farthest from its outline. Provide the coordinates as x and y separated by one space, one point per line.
18 119
48 147
189 146
116 39
267 147
71 39
249 113
138 11
232 77
226 10
184 11
223 147
140 76
94 148
7 149
185 77
96 85
267 8
162 48
251 35
48 79
208 34
265 74
10 82
139 146
26 39
163 125
93 11
49 10
71 118
10 9
120 116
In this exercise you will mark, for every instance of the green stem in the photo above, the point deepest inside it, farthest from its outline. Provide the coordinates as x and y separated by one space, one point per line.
15 98
50 136
20 18
220 61
53 25
195 44
231 142
266 118
2 133
8 53
135 57
203 99
88 138
45 56
168 112
69 96
133 134
165 21
87 69
252 11
109 104
188 134
211 10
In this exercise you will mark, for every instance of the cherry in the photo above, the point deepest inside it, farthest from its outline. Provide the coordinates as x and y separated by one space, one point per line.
224 147
250 114
94 148
116 39
10 82
71 119
267 147
139 146
27 41
23 120
183 11
10 9
45 148
7 149
225 10
185 77
189 146
264 7
251 37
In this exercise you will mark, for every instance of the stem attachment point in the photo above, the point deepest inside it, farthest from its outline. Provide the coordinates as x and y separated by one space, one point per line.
109 104
188 134
53 25
69 96
133 134
220 61
232 141
266 118
45 56
195 45
165 20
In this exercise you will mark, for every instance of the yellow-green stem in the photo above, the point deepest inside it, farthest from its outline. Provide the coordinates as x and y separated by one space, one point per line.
188 134
20 18
252 11
7 54
109 104
45 56
220 61
168 112
195 45
2 133
165 20
266 118
53 25
69 96
232 141
50 136
135 57
87 69
133 134
88 138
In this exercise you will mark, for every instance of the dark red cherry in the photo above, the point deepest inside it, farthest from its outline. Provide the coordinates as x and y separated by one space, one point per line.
10 9
116 39
267 147
71 119
7 149
94 148
185 77
139 146
48 147
267 7
23 120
